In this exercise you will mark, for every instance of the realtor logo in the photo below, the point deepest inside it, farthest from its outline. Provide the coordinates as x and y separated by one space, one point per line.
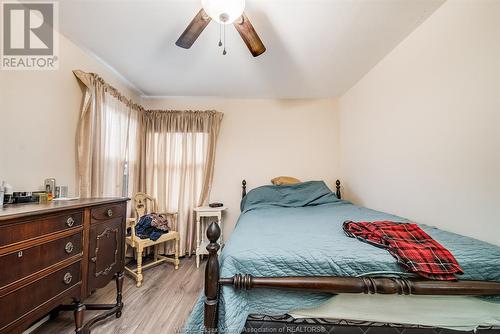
29 38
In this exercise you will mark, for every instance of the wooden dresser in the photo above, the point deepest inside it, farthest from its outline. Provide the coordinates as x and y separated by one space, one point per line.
53 256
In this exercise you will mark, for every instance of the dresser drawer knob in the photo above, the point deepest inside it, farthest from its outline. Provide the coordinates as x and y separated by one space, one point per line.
110 213
20 254
67 278
70 222
69 247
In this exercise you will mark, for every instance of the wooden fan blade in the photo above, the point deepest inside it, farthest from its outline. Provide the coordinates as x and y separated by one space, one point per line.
249 35
193 30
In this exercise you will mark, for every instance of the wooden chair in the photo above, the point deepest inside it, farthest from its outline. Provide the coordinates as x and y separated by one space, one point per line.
146 204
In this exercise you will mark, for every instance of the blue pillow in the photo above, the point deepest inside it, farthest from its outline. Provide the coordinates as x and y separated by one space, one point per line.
292 195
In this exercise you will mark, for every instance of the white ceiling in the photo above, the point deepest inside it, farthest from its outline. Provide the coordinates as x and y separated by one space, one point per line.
315 48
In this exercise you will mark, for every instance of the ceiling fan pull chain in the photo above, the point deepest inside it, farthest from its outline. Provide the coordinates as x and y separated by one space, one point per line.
224 52
220 35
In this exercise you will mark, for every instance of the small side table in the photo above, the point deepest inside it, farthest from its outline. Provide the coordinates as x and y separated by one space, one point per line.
201 229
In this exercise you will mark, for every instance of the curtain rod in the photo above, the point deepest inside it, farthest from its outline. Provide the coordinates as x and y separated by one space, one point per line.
122 98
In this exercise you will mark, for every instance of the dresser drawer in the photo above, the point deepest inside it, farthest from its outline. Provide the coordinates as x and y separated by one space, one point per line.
37 227
20 264
51 290
105 212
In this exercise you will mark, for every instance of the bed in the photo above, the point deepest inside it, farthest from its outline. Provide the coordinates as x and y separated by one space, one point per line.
288 252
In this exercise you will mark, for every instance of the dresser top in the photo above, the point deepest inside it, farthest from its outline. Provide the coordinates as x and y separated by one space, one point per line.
12 211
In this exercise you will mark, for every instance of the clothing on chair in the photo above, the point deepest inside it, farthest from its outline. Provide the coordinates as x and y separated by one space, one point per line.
152 226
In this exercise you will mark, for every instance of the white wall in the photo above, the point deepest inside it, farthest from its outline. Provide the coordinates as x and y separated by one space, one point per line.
420 133
261 139
38 119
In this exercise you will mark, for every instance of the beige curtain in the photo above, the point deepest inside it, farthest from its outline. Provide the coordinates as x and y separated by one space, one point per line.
106 140
122 149
177 162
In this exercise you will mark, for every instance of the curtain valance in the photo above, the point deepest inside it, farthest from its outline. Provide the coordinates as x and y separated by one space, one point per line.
93 81
181 121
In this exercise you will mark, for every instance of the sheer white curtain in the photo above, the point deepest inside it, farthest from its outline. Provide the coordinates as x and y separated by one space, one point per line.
118 151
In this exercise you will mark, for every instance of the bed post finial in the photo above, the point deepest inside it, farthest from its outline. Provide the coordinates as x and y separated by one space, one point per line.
338 193
244 189
212 281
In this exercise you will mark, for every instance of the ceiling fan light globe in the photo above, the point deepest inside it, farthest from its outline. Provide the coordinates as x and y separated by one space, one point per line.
224 11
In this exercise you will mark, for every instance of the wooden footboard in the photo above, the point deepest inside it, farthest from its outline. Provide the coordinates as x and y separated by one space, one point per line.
326 284
367 285
211 314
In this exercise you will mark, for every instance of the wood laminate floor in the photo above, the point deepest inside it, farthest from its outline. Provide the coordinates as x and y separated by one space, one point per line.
161 305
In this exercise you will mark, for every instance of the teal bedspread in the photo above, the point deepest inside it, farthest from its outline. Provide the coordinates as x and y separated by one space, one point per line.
297 231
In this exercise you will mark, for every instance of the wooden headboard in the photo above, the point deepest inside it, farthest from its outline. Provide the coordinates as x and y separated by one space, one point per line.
244 189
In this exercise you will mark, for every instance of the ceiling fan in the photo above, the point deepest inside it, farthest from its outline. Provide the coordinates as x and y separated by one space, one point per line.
223 12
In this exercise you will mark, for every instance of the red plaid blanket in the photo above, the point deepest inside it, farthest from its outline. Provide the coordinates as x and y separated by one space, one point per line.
410 245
